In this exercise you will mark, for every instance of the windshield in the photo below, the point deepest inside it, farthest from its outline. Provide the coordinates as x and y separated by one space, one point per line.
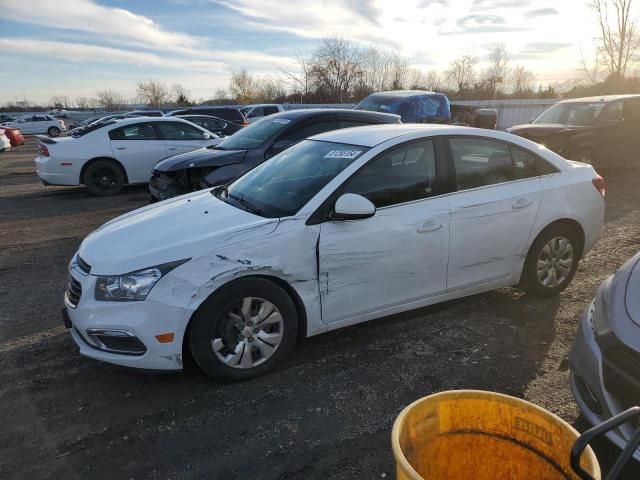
283 184
255 134
571 114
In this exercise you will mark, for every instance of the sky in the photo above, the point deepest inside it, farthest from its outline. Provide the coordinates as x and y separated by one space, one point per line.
75 47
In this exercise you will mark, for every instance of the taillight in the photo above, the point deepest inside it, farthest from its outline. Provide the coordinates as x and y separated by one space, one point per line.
600 185
44 151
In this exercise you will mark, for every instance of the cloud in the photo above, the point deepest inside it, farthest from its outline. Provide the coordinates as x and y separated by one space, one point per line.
541 12
495 4
365 9
544 47
428 3
482 24
109 22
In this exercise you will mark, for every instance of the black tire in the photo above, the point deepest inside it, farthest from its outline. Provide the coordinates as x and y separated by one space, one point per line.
211 319
103 178
53 131
530 280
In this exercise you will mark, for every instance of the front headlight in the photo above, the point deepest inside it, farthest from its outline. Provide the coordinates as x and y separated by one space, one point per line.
134 286
600 314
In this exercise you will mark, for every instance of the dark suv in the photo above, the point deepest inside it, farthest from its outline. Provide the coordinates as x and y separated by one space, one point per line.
251 146
230 114
597 130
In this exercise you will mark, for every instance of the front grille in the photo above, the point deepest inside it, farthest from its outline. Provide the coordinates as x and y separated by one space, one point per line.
82 265
73 292
621 371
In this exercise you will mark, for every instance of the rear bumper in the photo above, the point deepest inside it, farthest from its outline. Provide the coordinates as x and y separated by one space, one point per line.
52 173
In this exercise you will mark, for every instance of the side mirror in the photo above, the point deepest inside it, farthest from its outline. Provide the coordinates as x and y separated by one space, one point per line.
208 136
350 206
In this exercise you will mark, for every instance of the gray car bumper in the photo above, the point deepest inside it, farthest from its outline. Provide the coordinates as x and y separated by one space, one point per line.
587 384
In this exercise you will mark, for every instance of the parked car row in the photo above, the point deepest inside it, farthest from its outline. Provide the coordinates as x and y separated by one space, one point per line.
37 123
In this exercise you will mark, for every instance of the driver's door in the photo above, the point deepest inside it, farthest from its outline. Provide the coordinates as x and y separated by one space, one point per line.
399 255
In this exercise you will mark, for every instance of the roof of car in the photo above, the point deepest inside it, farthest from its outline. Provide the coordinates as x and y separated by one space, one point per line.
310 112
136 119
372 135
600 99
404 93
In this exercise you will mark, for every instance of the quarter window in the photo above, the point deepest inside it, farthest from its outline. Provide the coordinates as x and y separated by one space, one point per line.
179 131
137 131
405 174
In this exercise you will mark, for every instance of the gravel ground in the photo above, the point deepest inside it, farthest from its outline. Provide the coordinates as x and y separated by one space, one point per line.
327 414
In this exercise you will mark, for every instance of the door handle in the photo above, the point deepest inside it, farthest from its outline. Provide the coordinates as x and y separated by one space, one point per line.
430 226
121 148
521 203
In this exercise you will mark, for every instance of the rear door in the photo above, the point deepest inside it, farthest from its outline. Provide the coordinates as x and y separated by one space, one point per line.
138 147
41 124
492 212
180 137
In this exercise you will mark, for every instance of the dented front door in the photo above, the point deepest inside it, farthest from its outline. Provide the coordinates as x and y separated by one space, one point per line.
395 257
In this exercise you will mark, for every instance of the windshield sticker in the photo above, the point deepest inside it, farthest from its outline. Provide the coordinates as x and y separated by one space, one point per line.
281 120
350 154
385 107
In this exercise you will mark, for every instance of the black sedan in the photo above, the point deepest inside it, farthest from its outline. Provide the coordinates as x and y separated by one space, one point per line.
597 130
223 163
215 125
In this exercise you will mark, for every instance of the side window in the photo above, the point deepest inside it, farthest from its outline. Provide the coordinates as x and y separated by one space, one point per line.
137 131
479 162
179 131
270 110
405 174
39 118
613 112
310 130
527 164
256 112
632 111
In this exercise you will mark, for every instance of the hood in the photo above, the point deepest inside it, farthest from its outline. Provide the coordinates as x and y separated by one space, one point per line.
632 290
537 130
185 227
203 157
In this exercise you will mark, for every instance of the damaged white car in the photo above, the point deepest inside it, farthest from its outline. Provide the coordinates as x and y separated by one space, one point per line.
341 228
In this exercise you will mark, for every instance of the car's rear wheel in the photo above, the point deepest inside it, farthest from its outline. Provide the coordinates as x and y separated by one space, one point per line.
246 330
53 131
552 261
103 178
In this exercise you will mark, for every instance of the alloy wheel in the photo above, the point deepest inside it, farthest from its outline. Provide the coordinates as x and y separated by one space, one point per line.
104 179
248 334
555 262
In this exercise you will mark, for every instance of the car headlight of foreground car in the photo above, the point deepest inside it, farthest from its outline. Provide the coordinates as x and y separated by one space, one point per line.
134 286
599 318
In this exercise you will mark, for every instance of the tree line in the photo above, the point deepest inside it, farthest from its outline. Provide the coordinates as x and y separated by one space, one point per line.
343 71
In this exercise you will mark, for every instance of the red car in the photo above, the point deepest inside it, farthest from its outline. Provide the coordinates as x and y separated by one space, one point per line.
14 136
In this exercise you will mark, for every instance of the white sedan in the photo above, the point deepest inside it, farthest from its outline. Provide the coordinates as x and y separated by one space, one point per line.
37 123
107 155
342 228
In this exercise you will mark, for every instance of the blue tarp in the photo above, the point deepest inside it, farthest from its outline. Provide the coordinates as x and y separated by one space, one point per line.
413 107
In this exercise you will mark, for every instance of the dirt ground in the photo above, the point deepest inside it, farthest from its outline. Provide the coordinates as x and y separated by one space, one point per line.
327 414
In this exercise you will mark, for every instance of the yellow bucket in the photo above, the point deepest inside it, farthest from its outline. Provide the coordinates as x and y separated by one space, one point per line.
483 435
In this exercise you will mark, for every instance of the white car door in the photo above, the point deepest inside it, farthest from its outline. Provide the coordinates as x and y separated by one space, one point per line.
138 147
493 211
27 125
397 256
181 137
41 124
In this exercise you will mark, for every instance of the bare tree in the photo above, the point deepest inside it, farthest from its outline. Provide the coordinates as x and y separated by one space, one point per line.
619 38
337 68
270 88
242 86
83 103
462 72
220 95
60 101
153 92
180 95
108 99
496 73
522 81
590 72
300 81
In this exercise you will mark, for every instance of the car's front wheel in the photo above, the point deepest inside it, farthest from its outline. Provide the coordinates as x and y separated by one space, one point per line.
53 131
551 262
246 330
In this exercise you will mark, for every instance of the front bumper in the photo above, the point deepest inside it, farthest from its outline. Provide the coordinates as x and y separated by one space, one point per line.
142 321
163 186
587 383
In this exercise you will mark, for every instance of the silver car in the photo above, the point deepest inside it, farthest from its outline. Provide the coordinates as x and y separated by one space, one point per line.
605 356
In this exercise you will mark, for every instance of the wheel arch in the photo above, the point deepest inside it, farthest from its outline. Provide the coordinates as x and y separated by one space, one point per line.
571 223
293 294
109 159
